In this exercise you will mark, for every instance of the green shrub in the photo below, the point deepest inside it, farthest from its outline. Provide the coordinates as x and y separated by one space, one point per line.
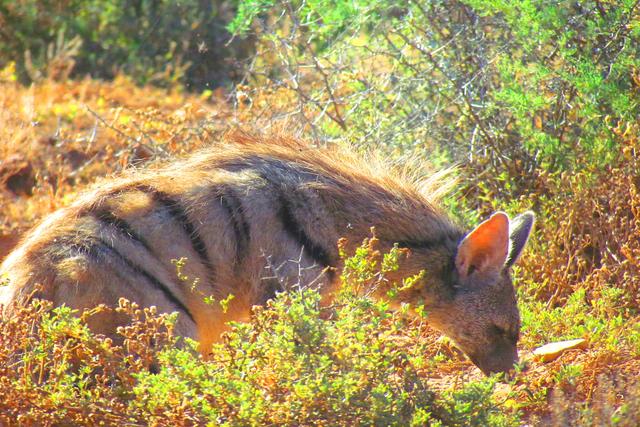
509 88
296 363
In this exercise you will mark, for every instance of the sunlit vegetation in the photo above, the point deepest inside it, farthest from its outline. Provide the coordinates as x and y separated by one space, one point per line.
534 102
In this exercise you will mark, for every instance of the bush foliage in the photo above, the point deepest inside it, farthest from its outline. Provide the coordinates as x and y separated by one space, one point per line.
514 87
296 363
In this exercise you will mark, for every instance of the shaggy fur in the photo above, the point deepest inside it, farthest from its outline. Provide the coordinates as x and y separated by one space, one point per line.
253 217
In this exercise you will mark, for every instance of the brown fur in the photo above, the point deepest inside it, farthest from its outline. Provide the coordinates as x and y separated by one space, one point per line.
241 212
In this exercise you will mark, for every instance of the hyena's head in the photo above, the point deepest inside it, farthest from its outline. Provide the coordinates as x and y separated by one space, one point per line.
475 302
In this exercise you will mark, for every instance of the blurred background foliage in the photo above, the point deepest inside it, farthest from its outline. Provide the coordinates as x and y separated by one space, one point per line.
154 41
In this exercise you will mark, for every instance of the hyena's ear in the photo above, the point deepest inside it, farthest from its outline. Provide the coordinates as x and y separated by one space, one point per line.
519 230
485 248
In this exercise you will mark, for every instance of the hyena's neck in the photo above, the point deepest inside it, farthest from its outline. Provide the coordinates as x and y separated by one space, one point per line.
397 215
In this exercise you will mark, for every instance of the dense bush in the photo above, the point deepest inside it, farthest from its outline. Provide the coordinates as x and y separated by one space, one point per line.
154 41
513 88
296 363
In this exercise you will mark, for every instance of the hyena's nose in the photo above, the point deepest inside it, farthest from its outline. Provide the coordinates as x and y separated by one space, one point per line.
496 362
507 369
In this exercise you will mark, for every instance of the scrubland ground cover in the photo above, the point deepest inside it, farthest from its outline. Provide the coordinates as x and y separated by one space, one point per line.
535 102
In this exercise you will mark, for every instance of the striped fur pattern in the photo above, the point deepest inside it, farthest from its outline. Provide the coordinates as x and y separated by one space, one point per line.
253 217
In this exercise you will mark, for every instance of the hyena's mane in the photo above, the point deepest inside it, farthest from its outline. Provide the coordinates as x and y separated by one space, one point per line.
369 185
369 171
366 176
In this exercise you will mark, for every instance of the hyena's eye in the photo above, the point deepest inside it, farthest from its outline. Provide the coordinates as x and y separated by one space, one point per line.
509 334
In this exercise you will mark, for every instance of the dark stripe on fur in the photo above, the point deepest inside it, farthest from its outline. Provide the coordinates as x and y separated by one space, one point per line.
271 287
285 213
450 277
98 249
179 215
444 240
295 229
233 205
449 242
419 244
109 218
157 283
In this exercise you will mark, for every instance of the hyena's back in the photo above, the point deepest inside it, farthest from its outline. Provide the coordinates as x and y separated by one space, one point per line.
250 218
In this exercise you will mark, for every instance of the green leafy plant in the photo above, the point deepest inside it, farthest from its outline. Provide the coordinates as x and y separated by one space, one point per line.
297 362
511 89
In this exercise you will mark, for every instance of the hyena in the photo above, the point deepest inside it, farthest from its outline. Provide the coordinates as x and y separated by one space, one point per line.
240 209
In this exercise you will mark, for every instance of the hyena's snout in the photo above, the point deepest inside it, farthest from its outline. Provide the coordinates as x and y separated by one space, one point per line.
501 358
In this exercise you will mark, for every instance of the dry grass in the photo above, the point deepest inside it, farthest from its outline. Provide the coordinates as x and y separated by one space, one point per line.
57 137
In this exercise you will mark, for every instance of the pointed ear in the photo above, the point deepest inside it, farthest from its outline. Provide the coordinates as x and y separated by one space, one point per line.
485 248
519 230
